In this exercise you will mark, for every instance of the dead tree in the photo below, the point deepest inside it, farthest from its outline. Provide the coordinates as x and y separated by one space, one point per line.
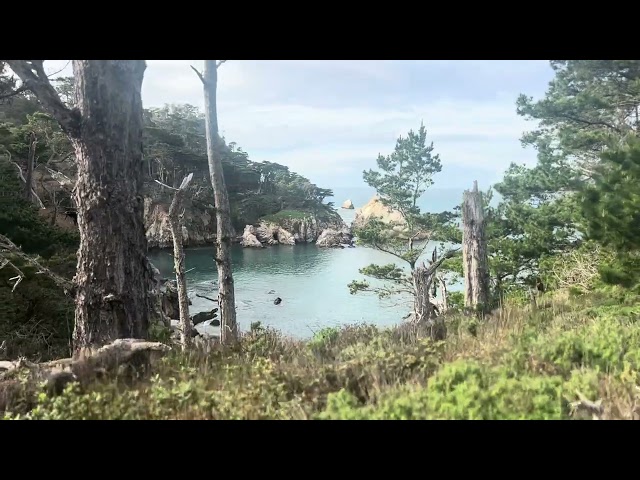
175 225
31 160
474 250
226 293
105 128
424 310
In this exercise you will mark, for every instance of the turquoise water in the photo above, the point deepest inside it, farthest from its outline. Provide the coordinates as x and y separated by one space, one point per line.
311 281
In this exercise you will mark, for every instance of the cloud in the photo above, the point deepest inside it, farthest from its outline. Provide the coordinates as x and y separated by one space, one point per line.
329 119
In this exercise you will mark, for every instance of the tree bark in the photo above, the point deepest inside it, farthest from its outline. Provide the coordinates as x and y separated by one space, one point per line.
30 165
226 294
105 128
424 311
474 250
178 256
444 293
112 277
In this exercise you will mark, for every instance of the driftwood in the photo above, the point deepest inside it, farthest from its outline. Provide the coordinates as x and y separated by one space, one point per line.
215 300
596 409
56 375
89 365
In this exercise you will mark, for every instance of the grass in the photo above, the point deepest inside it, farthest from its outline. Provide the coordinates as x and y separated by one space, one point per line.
287 215
517 364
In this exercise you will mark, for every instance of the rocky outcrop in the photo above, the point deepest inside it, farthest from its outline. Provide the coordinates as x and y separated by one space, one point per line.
307 228
198 224
331 238
204 317
348 205
249 238
273 234
393 218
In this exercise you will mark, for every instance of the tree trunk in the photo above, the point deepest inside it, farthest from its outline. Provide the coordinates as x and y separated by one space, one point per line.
226 294
30 165
443 292
474 250
105 127
112 277
178 257
423 307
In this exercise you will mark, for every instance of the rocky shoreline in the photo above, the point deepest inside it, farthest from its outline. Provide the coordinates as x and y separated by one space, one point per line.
198 230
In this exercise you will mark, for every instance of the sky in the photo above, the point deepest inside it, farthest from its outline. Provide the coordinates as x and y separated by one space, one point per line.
329 119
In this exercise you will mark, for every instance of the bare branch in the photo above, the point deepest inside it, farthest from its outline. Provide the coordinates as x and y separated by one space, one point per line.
215 300
9 246
167 186
33 77
55 73
220 62
33 192
17 278
200 76
14 93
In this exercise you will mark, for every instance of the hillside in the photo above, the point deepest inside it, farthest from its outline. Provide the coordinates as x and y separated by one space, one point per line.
174 146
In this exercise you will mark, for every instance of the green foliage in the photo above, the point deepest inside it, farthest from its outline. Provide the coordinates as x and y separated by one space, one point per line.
175 145
612 211
516 366
575 190
401 179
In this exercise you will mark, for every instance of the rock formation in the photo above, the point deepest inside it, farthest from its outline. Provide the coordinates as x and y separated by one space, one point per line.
375 208
249 238
198 224
333 238
348 204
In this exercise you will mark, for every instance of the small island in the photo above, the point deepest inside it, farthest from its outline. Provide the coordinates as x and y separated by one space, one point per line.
348 205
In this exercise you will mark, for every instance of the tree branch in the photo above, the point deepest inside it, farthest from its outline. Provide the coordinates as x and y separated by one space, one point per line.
200 76
14 93
33 77
20 174
220 62
8 246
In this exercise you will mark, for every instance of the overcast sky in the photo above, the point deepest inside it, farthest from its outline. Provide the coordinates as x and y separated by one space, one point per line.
329 119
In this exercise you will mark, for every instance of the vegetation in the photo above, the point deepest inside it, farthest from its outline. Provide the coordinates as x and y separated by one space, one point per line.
553 363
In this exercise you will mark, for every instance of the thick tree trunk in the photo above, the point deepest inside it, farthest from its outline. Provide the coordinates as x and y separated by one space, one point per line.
178 256
30 165
105 127
474 250
226 294
112 277
423 308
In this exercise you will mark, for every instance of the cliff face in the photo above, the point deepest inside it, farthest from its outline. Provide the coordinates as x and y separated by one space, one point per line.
198 224
393 218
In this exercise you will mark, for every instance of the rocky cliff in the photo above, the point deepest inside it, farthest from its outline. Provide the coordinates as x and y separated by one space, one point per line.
198 223
289 228
393 218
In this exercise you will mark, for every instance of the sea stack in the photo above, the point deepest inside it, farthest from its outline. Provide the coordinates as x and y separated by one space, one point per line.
348 205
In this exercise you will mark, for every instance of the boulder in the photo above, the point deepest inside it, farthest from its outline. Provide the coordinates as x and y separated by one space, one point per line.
249 238
330 238
203 316
348 205
285 238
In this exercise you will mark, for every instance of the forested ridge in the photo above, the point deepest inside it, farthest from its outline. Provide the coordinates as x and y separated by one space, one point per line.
554 333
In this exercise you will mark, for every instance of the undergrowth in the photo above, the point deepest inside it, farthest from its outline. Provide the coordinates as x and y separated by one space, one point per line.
516 364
